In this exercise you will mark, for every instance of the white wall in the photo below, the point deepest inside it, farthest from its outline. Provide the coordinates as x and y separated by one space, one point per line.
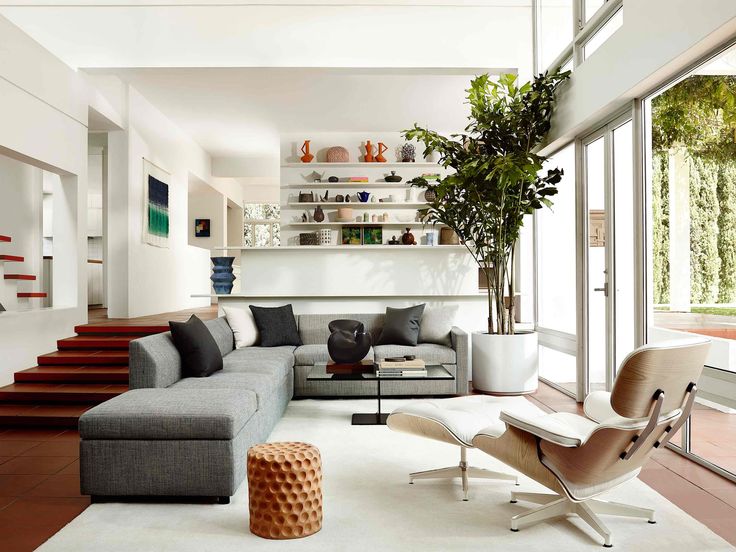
208 204
658 39
44 113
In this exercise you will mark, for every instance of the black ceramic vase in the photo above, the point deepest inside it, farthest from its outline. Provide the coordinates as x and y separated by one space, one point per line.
348 342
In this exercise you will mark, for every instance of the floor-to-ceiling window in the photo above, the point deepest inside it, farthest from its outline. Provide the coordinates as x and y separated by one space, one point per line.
690 171
556 269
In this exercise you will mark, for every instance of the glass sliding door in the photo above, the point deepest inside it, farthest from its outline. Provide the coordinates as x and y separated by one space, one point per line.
690 213
608 293
555 260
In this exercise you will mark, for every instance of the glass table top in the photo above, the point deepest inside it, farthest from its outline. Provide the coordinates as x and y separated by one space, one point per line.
366 371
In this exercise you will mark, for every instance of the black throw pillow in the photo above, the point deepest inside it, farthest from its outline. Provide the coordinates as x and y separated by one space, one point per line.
200 355
276 326
401 326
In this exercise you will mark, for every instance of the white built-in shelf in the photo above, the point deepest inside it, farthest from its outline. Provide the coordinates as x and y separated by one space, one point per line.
428 296
340 185
367 165
356 204
402 248
351 223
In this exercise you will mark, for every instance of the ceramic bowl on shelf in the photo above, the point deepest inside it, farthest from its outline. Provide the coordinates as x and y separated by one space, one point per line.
405 218
345 214
339 219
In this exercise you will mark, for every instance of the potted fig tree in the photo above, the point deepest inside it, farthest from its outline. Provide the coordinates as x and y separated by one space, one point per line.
495 180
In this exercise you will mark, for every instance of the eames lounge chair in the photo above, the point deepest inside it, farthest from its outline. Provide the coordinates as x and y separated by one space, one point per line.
581 457
576 457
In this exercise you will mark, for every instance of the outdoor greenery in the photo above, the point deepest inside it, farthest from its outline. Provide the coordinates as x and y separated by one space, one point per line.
698 116
496 178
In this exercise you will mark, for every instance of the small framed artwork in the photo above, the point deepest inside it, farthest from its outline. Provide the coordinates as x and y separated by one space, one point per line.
351 235
373 235
201 228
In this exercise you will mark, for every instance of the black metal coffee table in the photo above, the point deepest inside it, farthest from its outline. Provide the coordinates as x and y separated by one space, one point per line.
366 372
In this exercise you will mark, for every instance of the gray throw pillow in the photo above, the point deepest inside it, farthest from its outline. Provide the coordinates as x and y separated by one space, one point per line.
437 323
401 326
276 326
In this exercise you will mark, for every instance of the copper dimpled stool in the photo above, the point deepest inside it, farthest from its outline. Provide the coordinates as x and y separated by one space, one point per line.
284 490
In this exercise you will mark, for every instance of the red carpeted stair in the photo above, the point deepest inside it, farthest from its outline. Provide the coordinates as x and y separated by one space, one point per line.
86 370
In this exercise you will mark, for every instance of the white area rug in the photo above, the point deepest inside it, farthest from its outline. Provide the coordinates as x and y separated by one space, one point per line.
369 505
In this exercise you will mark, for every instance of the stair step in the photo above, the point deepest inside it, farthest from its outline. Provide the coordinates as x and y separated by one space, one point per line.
94 393
31 294
139 331
73 374
41 415
20 277
11 258
94 357
95 342
5 238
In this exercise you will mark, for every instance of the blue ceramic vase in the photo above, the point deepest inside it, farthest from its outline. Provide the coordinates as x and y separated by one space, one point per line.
222 275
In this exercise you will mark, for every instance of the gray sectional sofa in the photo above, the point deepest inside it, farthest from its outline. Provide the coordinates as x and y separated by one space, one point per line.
175 436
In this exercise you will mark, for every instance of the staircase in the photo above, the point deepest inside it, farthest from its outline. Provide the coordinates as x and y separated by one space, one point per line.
10 297
86 370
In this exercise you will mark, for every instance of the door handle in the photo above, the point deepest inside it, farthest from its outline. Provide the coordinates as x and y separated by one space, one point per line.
604 289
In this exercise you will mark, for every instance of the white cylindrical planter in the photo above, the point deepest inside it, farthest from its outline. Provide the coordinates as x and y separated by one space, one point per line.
505 364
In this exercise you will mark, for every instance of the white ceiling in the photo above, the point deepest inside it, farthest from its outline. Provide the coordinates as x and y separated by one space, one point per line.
242 112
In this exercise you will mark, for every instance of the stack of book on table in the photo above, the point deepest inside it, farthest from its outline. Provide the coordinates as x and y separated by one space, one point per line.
401 368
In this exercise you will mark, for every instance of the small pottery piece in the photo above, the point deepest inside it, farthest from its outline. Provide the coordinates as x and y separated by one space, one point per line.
344 214
222 275
306 197
305 217
393 178
326 197
363 196
448 237
385 217
333 179
339 198
365 217
409 195
308 238
307 157
431 237
325 236
408 238
382 148
394 198
374 218
319 214
374 199
338 154
430 195
408 153
432 157
393 241
347 198
368 152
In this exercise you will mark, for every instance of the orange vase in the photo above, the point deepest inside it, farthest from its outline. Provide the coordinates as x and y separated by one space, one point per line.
382 148
307 157
368 152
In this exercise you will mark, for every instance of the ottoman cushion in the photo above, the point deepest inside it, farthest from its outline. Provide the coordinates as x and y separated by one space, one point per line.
170 414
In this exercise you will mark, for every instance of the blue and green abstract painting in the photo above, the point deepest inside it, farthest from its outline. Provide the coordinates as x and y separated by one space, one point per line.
158 208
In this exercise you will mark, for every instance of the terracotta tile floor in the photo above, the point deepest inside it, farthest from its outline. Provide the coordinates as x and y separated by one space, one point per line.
39 483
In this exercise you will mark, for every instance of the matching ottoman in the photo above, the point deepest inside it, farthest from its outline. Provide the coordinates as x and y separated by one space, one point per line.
285 490
167 442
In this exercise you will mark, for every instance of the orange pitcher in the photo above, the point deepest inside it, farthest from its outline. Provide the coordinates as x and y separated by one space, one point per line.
368 152
307 157
382 148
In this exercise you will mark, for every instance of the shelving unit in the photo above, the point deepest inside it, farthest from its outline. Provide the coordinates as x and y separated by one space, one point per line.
398 248
374 165
356 205
359 186
356 223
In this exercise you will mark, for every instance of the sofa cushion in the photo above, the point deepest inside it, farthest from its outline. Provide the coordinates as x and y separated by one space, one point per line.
275 361
200 355
222 333
313 328
308 355
276 325
401 326
244 327
430 353
170 414
437 323
263 385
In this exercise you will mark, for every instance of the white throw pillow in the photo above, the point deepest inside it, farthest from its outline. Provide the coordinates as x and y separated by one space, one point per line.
437 322
243 325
